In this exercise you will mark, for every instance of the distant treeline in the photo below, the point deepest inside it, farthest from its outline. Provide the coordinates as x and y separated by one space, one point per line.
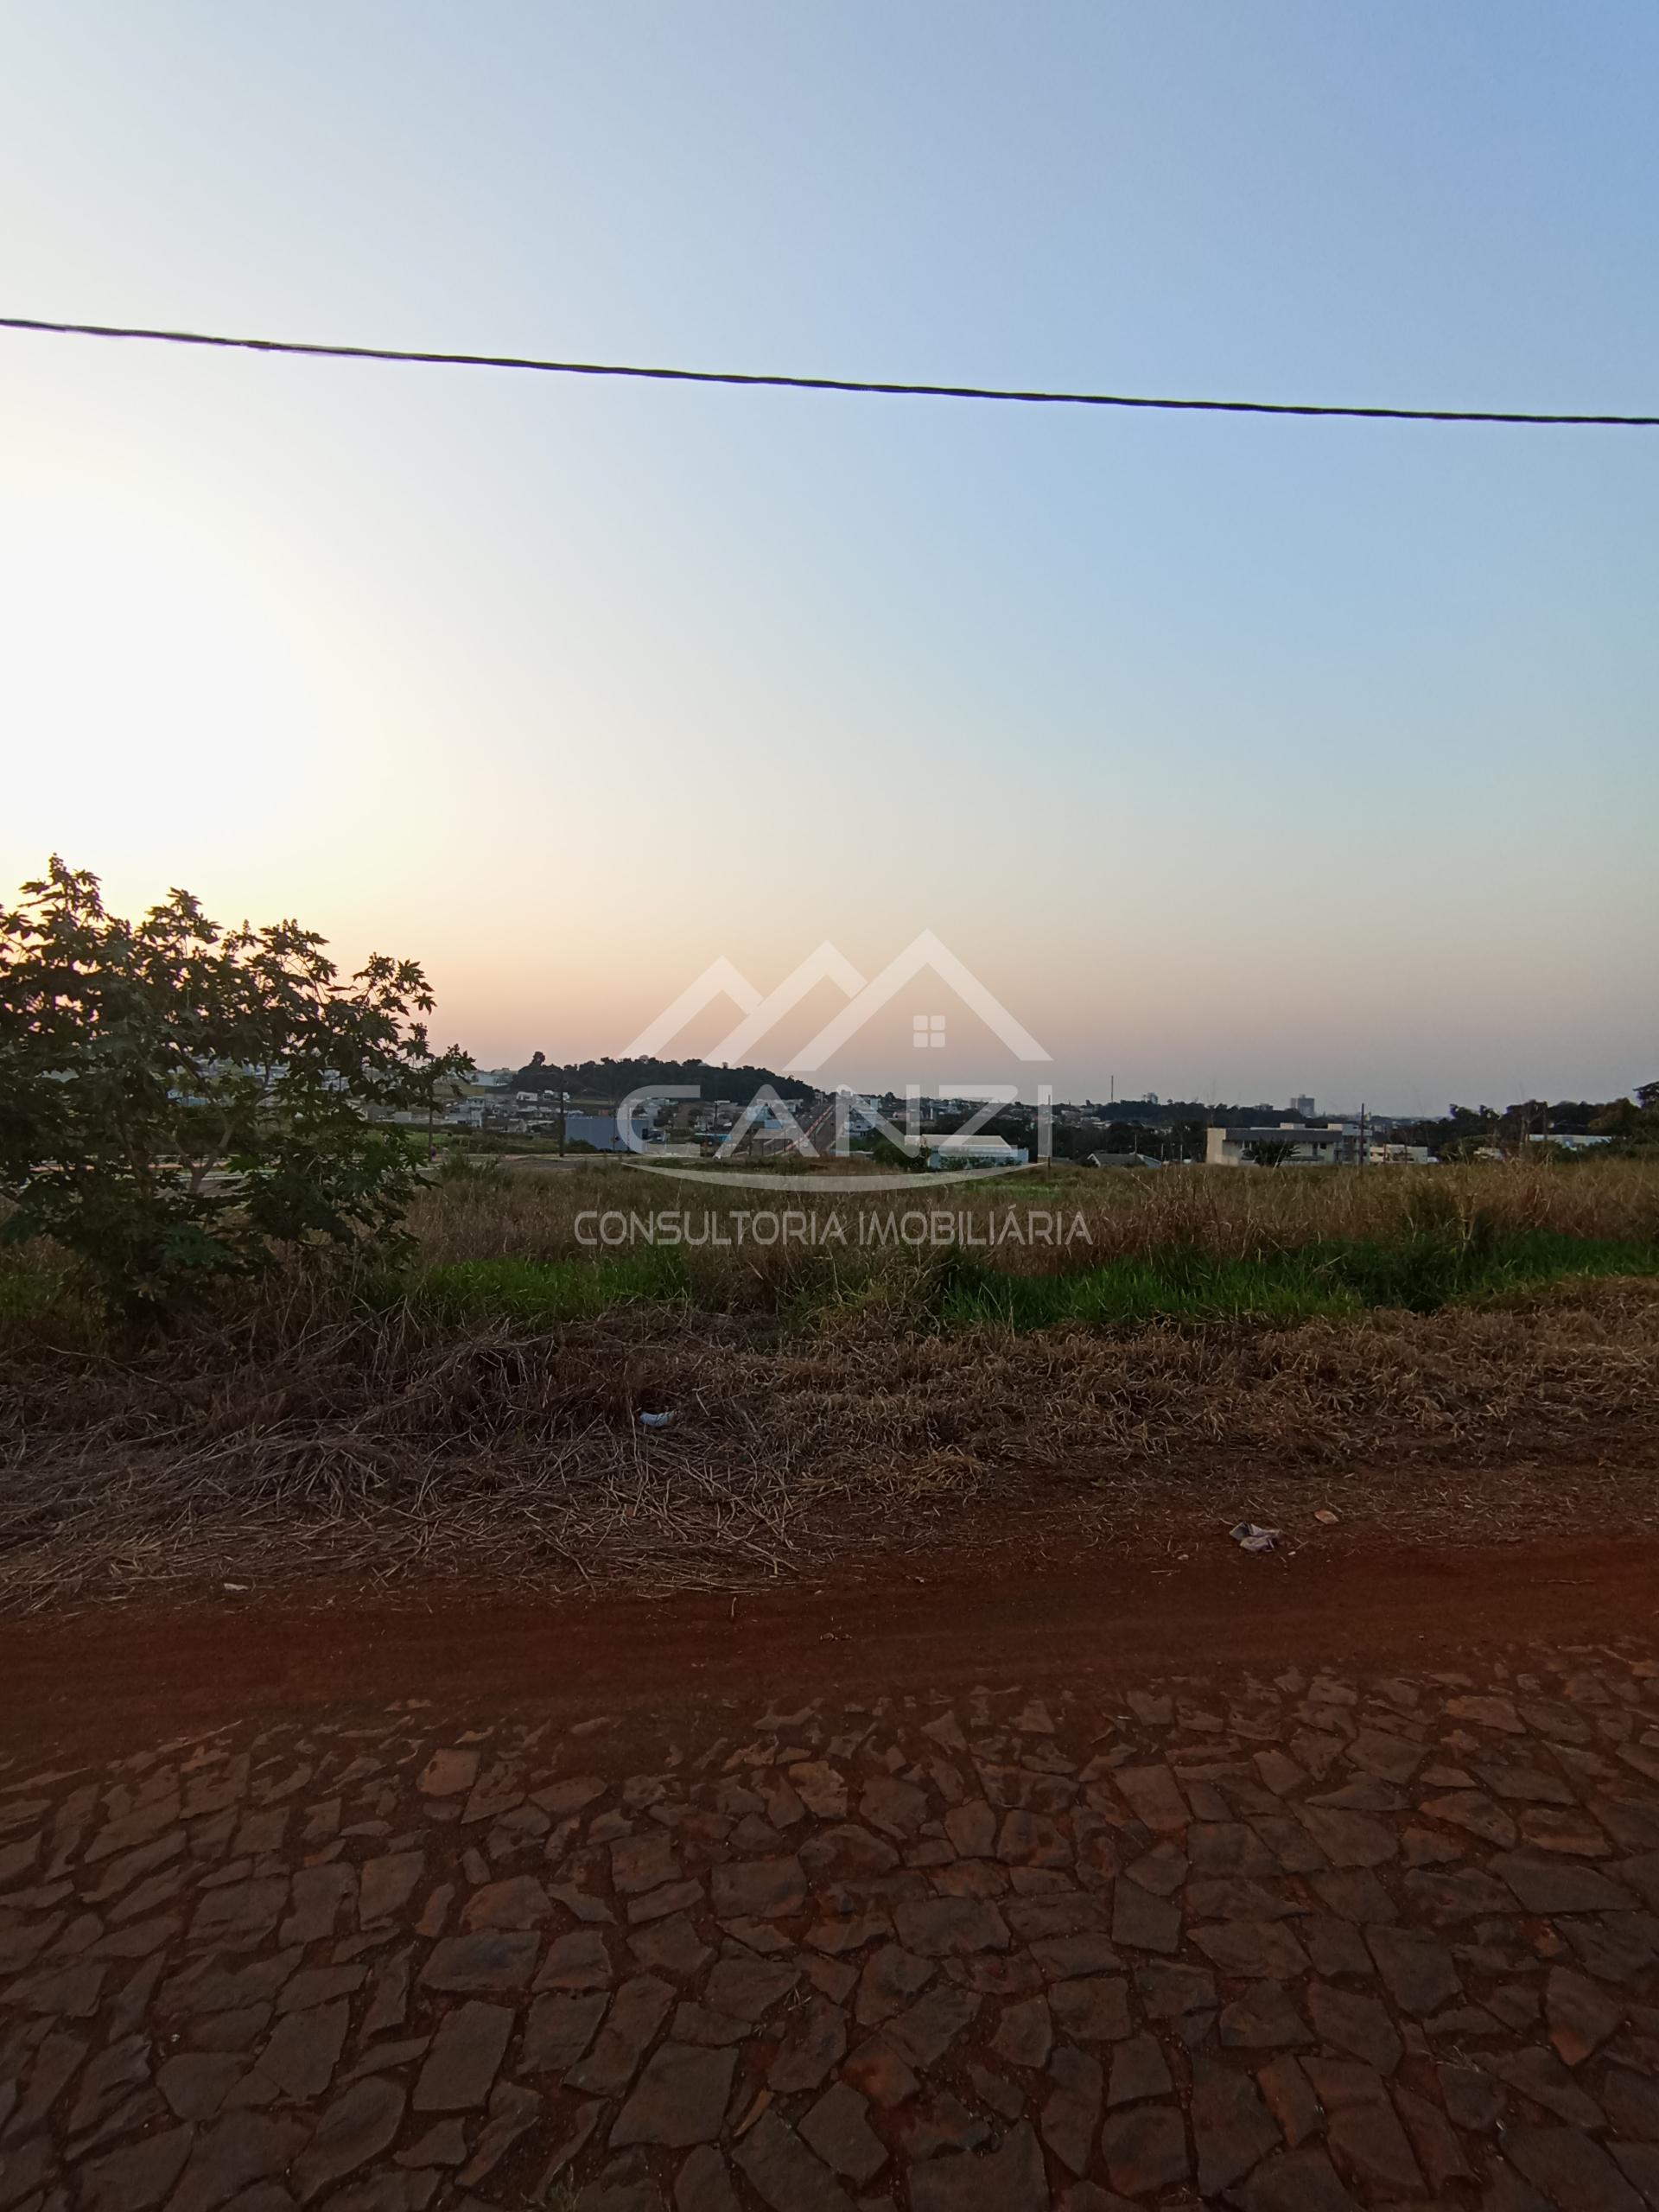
614 1079
1177 1131
1465 1128
1174 1128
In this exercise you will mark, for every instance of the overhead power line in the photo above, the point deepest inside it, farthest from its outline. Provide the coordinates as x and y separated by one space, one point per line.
822 384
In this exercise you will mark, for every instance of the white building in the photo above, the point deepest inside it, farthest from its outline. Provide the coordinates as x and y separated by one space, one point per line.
975 1152
1294 1143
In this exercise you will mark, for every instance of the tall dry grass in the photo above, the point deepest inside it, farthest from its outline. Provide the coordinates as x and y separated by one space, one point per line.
531 1212
302 1441
310 1432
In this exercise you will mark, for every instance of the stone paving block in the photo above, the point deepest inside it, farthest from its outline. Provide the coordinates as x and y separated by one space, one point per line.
940 2122
1144 1923
1007 2180
1232 2129
1027 1839
559 2030
1064 1958
241 1916
1024 2033
891 1979
320 1900
1545 1885
1264 2018
1357 2024
1261 1949
139 2175
1420 1972
1154 1797
1349 1839
784 2173
579 1960
1580 2016
1366 2140
466 2052
298 2063
748 1988
106 2083
1432 2138
514 2111
670 1946
520 1902
758 1888
486 1961
1632 2102
1639 2164
925 2031
679 2099
1571 2170
1292 2100
1144 2148
814 2041
938 1927
1542 2078
1092 2011
638 2010
838 2128
884 2076
1299 2181
1138 2070
1070 2112
449 1773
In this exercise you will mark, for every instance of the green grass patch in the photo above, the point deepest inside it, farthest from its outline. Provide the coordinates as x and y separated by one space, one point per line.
24 1296
554 1290
1331 1280
1328 1281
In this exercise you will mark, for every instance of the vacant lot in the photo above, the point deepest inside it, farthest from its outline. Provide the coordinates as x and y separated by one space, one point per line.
1454 1352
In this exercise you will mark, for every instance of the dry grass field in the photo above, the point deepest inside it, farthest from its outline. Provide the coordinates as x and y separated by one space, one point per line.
1447 1353
531 1212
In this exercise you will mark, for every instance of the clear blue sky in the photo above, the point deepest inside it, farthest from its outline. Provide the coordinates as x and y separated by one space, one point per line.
1241 755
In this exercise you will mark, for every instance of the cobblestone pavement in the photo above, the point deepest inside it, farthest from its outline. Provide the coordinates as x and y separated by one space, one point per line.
1302 1942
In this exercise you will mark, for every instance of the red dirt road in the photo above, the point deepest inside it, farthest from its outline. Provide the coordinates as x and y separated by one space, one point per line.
94 1680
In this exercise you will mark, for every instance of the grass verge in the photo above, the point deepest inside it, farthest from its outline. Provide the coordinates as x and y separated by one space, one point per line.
1328 1281
1332 1281
552 1290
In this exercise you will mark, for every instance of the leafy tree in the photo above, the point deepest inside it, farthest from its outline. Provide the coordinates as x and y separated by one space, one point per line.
612 1079
180 1103
888 1155
1268 1153
1633 1122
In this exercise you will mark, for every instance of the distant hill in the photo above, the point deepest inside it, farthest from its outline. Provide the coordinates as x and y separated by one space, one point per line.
614 1079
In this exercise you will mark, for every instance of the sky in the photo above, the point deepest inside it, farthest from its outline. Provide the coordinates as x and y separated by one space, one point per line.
1236 758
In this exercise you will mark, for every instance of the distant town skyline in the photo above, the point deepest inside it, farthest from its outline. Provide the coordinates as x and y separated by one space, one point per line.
1231 754
1278 1099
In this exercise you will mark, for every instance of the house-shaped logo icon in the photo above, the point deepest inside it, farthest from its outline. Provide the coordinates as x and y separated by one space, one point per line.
866 998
